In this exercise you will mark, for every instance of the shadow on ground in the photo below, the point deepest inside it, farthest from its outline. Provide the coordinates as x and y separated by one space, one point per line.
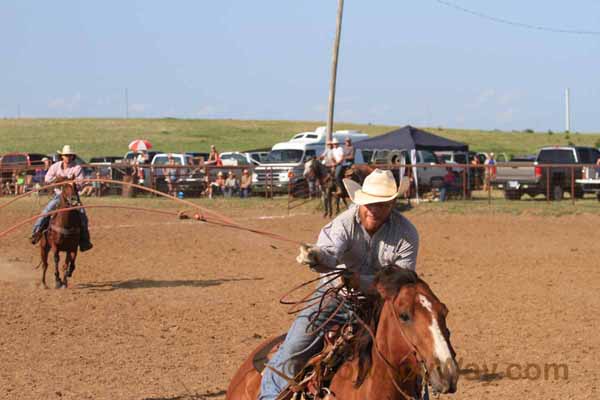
153 284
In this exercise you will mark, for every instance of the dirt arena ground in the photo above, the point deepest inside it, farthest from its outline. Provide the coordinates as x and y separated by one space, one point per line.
167 309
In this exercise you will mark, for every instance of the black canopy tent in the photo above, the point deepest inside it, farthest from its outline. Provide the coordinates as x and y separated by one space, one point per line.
413 140
410 138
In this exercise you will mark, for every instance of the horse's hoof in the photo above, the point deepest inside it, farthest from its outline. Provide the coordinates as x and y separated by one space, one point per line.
57 285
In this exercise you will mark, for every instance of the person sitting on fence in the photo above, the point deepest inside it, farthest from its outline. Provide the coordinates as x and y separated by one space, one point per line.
66 169
217 187
245 184
214 158
231 184
449 184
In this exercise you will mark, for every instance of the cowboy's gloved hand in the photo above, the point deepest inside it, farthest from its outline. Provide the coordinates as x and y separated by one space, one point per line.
309 255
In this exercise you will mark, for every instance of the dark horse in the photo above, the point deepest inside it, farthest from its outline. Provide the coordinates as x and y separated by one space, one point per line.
62 235
404 343
315 170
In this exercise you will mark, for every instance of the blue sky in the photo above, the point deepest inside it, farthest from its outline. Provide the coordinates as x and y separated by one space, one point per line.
416 62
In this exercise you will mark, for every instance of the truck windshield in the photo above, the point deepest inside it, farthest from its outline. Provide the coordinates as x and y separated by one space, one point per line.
284 157
556 156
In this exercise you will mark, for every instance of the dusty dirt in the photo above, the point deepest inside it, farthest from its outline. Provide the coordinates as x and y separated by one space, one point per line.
165 309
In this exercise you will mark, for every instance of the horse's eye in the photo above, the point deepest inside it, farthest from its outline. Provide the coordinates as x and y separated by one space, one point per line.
405 317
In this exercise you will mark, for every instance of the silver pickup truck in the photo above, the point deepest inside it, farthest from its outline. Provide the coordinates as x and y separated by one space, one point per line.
515 176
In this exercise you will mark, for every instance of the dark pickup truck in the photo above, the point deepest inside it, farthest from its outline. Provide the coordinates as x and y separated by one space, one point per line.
540 178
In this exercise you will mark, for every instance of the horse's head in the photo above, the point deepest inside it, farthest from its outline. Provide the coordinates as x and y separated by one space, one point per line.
310 169
68 194
413 312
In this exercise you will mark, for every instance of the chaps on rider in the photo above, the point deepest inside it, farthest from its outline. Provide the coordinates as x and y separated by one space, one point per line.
66 169
368 236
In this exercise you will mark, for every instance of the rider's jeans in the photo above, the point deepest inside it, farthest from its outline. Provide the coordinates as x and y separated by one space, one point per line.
338 174
51 206
299 346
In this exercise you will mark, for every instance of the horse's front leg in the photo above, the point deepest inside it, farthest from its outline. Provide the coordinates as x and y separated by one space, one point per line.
44 250
57 281
73 257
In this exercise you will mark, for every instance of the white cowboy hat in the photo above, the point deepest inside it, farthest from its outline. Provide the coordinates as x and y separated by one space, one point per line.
379 187
66 151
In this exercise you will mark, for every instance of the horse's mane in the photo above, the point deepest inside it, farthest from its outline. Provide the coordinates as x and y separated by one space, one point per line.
391 279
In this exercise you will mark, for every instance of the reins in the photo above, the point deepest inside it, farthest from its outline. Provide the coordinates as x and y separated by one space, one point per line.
391 369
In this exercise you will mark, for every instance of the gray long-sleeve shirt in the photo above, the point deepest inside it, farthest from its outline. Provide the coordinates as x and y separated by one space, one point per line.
344 243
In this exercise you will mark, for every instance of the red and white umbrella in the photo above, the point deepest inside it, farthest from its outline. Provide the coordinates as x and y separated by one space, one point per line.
140 145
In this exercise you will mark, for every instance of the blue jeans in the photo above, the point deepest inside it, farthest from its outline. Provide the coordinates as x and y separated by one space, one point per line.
42 222
338 176
245 192
299 346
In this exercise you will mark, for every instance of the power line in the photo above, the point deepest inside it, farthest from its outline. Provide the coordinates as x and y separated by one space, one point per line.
514 23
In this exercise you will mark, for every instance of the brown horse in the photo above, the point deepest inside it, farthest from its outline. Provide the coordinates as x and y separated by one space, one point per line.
315 170
411 345
63 234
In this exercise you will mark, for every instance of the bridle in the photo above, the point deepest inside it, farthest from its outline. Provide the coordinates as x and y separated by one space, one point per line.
391 369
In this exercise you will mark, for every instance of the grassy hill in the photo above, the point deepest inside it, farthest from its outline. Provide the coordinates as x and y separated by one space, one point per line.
111 136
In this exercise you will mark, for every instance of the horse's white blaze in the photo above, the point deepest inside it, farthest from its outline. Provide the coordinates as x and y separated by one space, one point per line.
440 346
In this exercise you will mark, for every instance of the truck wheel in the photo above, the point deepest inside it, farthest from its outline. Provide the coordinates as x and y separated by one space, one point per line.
512 195
557 193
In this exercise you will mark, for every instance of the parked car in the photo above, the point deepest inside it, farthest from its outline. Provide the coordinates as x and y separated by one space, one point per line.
234 159
533 178
285 162
198 156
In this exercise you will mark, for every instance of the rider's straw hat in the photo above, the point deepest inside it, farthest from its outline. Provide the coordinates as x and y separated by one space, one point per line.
66 151
379 187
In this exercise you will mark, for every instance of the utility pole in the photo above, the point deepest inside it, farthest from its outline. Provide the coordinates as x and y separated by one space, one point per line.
567 111
126 103
334 62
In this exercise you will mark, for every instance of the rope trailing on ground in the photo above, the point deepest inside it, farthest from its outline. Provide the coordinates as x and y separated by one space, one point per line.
216 219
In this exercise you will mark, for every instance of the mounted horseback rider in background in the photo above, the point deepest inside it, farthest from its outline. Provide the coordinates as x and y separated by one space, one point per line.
66 169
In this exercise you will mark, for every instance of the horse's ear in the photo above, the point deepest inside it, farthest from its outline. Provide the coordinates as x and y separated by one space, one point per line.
384 292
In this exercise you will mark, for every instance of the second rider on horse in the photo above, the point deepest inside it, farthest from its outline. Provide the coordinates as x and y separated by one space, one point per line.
66 169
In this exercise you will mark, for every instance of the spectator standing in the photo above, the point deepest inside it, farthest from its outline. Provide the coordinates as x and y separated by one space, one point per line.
231 184
171 175
245 184
40 173
490 171
476 171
